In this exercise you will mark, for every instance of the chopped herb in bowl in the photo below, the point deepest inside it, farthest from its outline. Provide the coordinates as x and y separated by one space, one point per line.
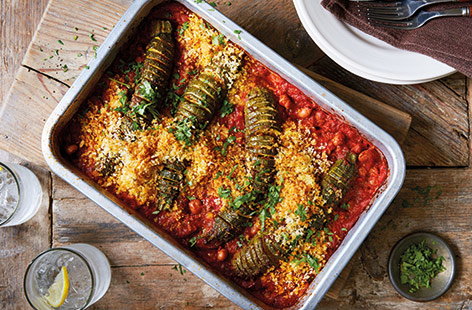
419 264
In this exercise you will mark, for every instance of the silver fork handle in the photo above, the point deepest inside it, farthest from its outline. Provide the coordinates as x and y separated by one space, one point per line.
464 11
442 1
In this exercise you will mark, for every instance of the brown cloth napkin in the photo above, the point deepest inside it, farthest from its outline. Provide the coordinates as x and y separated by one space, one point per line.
448 40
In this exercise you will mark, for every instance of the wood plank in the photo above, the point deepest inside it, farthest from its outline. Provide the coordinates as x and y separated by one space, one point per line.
46 54
469 100
29 103
17 31
439 134
338 285
20 244
159 287
72 223
65 39
392 120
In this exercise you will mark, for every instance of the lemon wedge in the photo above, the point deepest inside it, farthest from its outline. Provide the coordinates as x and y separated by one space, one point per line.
58 291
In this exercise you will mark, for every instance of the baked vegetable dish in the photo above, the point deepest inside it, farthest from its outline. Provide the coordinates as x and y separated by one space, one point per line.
213 147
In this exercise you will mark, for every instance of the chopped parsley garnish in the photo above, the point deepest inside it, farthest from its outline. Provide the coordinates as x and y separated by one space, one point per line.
240 200
262 217
192 241
230 175
224 148
218 40
179 268
183 28
60 42
238 32
137 71
65 68
418 265
344 206
147 91
226 108
75 38
301 212
217 175
424 195
145 107
183 131
92 37
326 230
124 103
119 82
268 209
224 192
310 236
344 229
273 198
95 48
309 259
213 4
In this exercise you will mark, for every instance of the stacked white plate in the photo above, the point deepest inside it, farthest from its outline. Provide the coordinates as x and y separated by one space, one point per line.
364 55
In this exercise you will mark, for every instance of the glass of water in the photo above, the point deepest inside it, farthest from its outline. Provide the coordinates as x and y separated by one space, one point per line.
20 194
88 270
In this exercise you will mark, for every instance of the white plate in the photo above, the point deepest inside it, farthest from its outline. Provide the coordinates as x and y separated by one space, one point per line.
364 55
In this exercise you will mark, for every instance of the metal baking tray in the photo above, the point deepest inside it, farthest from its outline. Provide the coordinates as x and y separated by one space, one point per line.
85 83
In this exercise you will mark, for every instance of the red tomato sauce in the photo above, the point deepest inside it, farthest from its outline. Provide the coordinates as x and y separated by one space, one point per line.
334 134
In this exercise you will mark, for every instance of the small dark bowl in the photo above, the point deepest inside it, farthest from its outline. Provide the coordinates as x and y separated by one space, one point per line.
440 284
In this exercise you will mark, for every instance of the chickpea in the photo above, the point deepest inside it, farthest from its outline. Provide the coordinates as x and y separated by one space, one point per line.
373 176
320 117
222 255
71 149
367 155
285 101
303 112
254 229
195 206
356 148
362 172
338 139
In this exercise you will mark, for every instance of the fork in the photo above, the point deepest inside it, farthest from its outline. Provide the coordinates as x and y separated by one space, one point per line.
398 10
422 18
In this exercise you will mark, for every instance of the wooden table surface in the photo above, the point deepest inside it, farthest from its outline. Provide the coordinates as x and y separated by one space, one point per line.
436 197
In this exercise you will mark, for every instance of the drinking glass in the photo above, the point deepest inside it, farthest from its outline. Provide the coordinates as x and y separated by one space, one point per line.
20 194
89 276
